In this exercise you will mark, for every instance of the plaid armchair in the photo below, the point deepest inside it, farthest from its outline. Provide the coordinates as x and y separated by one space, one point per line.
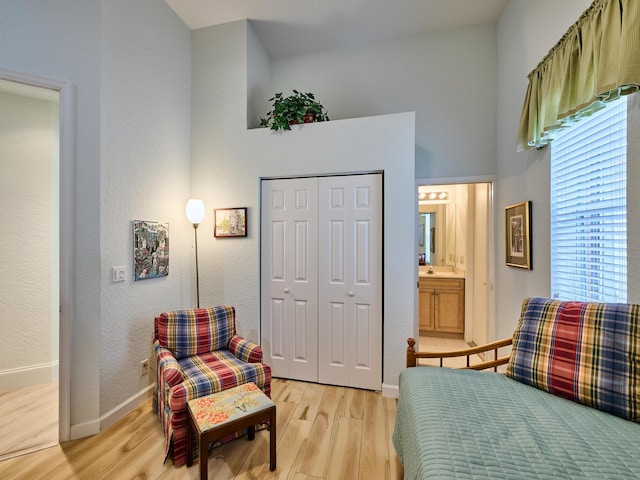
198 353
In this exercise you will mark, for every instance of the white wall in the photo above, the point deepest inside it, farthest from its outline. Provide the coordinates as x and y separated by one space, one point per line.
28 213
130 64
41 37
526 32
144 175
229 160
448 78
633 199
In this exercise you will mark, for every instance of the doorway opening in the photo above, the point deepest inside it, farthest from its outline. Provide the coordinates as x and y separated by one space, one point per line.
455 262
37 189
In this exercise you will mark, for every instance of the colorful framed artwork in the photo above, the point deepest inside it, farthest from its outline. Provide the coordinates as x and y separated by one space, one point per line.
150 250
518 235
230 222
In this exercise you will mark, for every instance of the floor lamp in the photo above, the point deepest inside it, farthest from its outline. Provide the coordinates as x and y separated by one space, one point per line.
195 214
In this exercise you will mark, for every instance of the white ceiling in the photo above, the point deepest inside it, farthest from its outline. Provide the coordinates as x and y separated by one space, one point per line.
294 27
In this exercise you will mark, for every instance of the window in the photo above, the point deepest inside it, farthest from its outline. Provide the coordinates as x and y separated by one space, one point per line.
589 208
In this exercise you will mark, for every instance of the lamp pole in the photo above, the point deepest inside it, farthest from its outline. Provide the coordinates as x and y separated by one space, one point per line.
195 236
195 214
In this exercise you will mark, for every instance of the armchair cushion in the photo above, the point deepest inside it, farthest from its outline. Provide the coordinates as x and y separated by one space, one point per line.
191 332
213 372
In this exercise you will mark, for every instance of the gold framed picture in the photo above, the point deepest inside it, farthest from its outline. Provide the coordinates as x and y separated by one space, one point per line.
518 235
230 222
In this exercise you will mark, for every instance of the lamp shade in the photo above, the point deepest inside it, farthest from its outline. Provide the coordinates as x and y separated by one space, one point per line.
195 211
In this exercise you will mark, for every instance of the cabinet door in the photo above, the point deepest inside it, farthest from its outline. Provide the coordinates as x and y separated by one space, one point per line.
449 310
426 309
289 277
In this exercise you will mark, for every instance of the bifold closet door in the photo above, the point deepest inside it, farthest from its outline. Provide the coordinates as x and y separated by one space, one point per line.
321 271
349 281
289 277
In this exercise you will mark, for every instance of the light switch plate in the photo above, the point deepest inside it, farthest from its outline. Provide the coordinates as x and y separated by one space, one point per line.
118 274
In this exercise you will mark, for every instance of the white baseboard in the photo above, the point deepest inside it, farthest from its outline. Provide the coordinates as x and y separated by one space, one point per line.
94 427
85 429
391 391
16 378
125 407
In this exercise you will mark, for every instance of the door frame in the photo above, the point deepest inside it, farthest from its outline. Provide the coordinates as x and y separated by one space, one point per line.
67 92
490 179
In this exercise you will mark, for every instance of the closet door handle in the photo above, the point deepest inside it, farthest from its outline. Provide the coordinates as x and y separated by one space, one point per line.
286 290
351 294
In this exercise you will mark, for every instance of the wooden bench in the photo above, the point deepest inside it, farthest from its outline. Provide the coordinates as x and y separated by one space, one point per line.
212 417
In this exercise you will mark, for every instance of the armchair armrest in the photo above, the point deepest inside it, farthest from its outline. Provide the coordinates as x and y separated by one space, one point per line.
245 350
168 366
413 356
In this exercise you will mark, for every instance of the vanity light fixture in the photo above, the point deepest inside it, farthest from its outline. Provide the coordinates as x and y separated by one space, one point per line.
433 196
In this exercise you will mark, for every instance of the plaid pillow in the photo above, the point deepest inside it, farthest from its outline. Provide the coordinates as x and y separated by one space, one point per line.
196 331
585 351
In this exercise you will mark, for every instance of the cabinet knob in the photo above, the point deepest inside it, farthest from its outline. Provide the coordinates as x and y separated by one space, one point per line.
351 294
286 290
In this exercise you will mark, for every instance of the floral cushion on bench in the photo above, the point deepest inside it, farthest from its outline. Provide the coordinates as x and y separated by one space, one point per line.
585 351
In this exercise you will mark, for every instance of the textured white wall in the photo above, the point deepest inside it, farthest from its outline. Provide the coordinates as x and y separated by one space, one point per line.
633 198
130 63
28 215
448 78
43 38
228 162
526 32
144 175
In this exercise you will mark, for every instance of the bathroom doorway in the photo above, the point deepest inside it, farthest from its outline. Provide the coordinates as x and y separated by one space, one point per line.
455 240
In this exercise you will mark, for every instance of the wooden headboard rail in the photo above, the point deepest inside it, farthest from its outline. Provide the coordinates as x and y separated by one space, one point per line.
413 356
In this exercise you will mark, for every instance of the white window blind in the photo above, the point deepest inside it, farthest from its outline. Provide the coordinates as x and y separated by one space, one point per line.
589 208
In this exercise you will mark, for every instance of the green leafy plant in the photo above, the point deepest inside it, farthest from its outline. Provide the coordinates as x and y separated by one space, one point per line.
297 108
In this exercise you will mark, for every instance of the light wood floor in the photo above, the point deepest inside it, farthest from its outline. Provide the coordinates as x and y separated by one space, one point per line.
443 344
323 432
28 419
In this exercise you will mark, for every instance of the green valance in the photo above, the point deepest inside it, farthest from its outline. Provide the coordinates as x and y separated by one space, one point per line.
596 61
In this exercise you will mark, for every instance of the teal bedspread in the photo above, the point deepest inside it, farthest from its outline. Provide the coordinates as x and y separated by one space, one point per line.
466 424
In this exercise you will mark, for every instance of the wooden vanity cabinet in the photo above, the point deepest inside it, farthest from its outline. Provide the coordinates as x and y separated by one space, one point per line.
441 305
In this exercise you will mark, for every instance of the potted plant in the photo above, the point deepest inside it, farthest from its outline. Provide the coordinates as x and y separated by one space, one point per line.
297 108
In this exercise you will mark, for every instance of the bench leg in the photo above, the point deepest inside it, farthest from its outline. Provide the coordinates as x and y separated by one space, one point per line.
204 458
188 444
272 441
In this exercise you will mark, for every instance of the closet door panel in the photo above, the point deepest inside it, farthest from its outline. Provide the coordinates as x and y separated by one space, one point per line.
289 277
350 277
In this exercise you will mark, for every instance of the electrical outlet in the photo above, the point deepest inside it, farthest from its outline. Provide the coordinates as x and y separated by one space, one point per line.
144 367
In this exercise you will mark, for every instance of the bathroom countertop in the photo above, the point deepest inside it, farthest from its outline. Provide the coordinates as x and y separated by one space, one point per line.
441 275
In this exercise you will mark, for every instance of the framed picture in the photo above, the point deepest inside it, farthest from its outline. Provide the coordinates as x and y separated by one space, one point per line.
150 250
229 222
518 235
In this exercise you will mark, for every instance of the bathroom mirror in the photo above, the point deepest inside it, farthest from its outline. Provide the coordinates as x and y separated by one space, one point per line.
436 235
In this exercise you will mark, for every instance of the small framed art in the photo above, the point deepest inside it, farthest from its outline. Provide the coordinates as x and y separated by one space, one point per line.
518 235
150 250
229 222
